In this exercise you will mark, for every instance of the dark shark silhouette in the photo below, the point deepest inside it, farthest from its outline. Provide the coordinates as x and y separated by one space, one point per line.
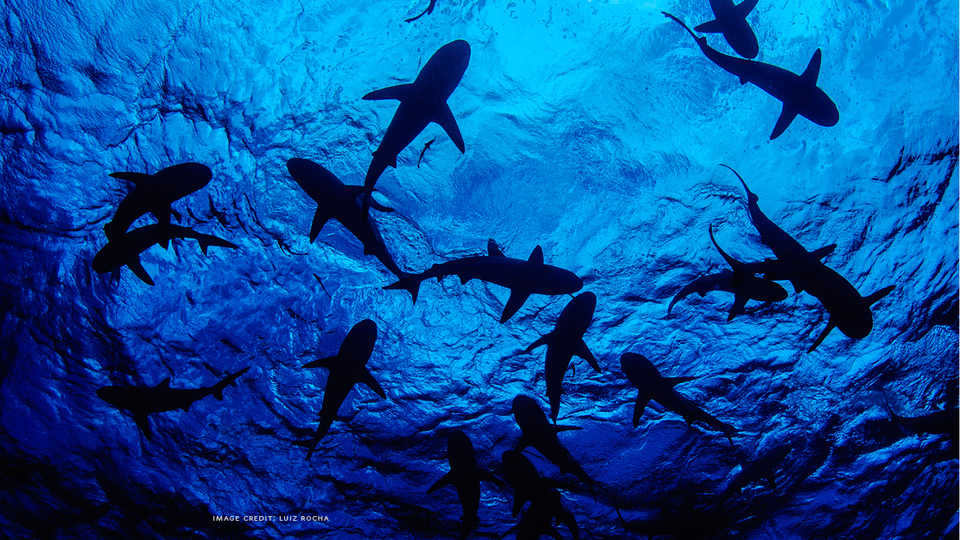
652 385
799 93
154 193
538 519
421 102
529 486
746 286
464 475
144 400
945 421
523 278
848 311
731 21
427 11
771 269
343 203
347 368
426 146
540 434
563 342
125 250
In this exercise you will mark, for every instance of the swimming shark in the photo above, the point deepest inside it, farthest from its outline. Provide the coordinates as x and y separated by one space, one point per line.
731 21
538 519
848 311
529 486
343 203
144 400
540 434
347 368
421 102
154 193
464 475
745 285
125 249
565 341
652 385
523 278
944 421
799 93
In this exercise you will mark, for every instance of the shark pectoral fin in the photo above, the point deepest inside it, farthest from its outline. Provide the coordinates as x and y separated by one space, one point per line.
449 124
744 80
543 340
536 256
823 335
812 73
745 7
143 424
673 381
164 383
824 251
137 268
162 213
327 362
711 27
797 288
445 479
584 352
493 249
875 297
399 92
319 219
559 428
639 406
514 303
134 177
739 303
786 116
367 378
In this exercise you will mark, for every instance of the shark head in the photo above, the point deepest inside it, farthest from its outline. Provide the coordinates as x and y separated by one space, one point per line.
578 314
313 178
360 341
819 108
459 448
114 395
182 179
641 372
446 67
559 281
528 413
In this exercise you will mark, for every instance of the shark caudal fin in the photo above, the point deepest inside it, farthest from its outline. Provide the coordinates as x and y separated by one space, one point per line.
207 240
751 196
227 381
409 282
684 25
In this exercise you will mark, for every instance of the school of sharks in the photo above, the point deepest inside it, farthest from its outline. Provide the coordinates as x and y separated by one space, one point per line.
539 470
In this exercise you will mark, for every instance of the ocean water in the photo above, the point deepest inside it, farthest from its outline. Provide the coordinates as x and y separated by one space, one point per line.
593 129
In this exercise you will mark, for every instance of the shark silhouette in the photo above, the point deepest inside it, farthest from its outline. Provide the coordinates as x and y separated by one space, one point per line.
799 93
565 341
540 434
145 400
125 250
771 269
652 385
421 102
464 475
523 278
426 11
731 21
944 421
343 203
529 486
848 311
347 368
154 193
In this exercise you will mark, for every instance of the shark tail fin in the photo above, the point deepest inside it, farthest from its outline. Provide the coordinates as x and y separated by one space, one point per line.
683 24
207 240
227 381
751 196
735 264
322 429
409 282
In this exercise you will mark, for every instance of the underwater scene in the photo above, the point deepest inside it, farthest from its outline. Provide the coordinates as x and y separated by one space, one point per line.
479 269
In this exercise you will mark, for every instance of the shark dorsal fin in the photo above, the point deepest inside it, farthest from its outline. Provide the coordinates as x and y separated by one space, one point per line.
165 383
536 256
493 249
812 73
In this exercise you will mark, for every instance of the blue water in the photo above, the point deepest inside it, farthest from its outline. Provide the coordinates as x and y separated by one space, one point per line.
593 129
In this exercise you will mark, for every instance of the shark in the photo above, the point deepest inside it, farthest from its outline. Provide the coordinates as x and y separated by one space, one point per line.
421 102
731 21
540 434
465 476
155 193
344 203
565 341
848 310
347 368
799 94
125 250
142 401
523 278
652 385
529 486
